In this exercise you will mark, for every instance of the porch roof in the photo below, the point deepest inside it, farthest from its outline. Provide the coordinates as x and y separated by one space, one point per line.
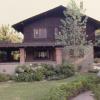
35 44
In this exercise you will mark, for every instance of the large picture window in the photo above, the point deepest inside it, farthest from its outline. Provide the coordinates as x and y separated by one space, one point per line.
41 54
40 33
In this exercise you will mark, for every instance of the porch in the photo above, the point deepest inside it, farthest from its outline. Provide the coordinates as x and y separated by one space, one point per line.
23 53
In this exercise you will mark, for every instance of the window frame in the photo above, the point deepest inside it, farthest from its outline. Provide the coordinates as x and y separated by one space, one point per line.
40 33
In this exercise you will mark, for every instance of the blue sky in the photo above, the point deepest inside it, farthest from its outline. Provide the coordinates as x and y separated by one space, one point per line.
12 11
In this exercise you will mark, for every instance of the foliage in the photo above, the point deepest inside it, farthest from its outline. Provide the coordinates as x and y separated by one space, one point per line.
23 77
38 74
8 34
68 90
97 37
43 71
29 90
23 74
4 77
67 70
73 28
96 91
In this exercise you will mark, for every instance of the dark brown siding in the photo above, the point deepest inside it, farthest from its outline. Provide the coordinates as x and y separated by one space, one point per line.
49 23
90 31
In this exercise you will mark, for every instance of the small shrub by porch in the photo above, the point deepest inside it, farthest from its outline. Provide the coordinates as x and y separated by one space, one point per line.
4 77
39 72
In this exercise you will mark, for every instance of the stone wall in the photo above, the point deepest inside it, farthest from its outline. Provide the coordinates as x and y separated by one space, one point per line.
8 68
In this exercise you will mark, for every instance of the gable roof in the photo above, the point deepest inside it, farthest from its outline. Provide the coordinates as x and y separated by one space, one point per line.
58 11
52 12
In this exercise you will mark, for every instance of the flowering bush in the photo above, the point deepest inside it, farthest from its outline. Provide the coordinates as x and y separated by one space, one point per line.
35 72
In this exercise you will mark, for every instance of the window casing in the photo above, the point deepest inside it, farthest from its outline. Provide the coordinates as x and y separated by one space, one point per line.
41 54
40 33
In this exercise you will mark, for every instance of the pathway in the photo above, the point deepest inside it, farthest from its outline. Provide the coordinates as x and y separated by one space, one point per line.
84 96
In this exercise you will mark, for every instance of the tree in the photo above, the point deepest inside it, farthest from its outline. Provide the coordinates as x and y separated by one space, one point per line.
8 34
97 37
73 28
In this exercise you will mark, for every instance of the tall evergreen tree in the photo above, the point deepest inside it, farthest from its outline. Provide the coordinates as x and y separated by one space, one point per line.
73 29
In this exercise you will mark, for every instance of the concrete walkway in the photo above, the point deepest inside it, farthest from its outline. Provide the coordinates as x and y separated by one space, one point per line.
84 96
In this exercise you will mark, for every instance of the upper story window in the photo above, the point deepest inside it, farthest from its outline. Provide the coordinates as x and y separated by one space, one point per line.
56 31
40 33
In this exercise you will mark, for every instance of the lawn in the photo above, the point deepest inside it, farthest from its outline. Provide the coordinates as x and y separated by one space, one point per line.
96 92
28 91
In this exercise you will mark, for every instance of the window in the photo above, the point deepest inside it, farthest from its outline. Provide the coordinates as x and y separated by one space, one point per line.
57 34
56 31
41 54
40 33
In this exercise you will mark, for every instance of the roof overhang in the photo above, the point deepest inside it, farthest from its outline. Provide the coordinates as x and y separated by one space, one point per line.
25 45
58 11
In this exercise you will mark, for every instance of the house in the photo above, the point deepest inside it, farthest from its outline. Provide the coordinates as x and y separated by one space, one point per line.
39 44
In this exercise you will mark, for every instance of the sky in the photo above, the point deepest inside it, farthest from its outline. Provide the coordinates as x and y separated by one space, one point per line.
13 11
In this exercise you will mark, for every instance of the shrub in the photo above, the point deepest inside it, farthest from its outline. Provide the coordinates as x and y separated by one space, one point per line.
38 74
28 74
67 70
96 91
43 71
23 77
68 90
49 72
23 74
23 68
59 71
4 77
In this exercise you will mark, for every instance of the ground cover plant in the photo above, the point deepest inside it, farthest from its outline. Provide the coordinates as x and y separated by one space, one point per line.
68 90
50 90
35 72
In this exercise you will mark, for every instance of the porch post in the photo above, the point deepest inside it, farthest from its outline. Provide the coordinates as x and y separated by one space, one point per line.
58 55
22 55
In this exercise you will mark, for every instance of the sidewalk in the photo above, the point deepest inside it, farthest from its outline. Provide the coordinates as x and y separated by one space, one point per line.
84 96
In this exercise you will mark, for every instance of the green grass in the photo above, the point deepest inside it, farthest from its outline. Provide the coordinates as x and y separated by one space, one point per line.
96 91
28 91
